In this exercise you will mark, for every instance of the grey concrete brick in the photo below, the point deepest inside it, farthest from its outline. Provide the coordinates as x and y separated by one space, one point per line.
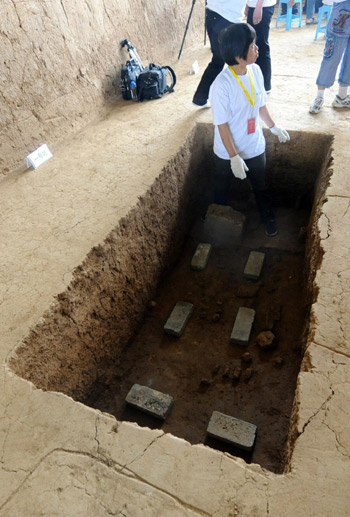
243 326
232 430
254 265
201 257
178 318
150 401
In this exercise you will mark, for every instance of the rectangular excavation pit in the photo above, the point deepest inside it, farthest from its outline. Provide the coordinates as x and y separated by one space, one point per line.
105 332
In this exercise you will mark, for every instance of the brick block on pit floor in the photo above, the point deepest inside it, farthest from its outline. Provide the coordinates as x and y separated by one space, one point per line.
201 257
178 318
254 265
243 326
150 401
223 226
232 430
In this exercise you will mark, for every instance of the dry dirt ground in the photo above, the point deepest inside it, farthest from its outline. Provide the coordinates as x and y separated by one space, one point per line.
61 457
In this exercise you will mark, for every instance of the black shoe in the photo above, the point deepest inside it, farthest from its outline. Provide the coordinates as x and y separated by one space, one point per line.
271 228
200 100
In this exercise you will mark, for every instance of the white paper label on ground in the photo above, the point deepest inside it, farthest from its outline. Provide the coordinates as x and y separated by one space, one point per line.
194 68
39 156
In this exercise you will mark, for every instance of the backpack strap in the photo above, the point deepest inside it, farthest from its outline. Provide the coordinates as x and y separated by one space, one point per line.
140 94
170 88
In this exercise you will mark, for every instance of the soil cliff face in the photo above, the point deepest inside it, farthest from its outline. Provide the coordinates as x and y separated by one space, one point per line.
82 336
60 57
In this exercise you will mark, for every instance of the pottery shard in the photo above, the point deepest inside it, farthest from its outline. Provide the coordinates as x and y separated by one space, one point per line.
266 340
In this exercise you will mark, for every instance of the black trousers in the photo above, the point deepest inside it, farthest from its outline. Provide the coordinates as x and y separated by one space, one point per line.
256 175
262 40
214 24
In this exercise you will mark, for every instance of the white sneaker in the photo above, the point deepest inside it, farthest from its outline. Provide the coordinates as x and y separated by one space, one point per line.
206 105
316 105
341 103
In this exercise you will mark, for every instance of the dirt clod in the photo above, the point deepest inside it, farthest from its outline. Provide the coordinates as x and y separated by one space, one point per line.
236 373
226 371
247 357
248 372
266 340
216 369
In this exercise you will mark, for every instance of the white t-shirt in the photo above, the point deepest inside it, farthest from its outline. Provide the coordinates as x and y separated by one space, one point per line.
231 10
266 3
230 105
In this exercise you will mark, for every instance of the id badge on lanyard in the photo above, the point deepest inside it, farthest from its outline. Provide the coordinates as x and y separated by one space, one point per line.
251 125
251 120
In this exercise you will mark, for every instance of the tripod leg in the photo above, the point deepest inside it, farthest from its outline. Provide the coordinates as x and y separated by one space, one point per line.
134 55
187 25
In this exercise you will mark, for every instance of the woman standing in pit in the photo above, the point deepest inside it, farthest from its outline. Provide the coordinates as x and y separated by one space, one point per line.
237 98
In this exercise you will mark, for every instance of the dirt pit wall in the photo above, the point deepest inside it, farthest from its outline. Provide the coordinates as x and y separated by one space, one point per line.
83 334
59 60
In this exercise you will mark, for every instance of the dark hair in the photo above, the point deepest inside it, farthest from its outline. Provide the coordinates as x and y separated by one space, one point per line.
235 42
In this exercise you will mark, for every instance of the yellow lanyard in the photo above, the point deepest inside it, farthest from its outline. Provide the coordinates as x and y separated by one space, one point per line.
250 98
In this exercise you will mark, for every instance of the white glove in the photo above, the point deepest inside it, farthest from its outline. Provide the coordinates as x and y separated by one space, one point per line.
282 134
238 167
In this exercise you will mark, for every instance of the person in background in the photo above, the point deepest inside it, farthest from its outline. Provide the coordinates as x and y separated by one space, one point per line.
318 5
237 98
337 49
259 14
219 15
310 11
291 3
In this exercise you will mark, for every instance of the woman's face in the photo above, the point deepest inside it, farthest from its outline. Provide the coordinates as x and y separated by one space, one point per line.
253 53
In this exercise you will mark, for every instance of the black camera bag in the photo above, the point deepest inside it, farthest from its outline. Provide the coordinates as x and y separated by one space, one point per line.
152 82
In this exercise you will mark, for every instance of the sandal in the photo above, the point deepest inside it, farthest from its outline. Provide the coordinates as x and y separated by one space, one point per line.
311 21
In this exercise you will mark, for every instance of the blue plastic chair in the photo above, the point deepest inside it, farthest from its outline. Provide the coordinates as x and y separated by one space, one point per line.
289 18
324 10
